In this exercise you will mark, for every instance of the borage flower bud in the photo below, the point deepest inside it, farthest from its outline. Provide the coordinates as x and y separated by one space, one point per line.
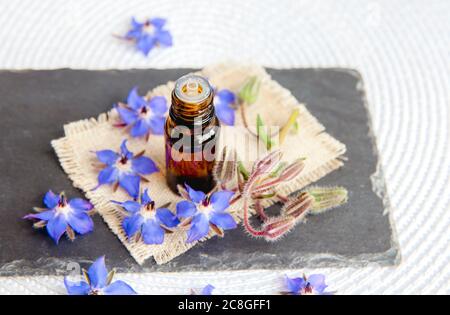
274 228
298 206
326 198
267 163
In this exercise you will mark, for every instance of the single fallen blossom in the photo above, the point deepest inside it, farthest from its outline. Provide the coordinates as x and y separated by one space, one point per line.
204 211
124 169
312 285
149 34
262 182
223 102
143 117
63 216
207 290
98 282
143 219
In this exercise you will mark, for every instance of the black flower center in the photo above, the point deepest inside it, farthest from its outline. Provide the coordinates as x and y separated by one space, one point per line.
123 159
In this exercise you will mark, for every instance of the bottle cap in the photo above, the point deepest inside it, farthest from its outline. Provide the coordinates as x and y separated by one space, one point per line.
192 88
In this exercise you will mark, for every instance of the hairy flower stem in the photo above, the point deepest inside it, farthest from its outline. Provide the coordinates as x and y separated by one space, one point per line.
247 224
260 210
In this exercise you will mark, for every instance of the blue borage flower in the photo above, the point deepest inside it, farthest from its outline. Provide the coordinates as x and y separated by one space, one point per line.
145 219
223 101
98 282
207 290
62 216
149 34
142 116
205 211
312 285
124 169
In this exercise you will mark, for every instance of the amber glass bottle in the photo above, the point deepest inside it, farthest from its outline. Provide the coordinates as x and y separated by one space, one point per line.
191 134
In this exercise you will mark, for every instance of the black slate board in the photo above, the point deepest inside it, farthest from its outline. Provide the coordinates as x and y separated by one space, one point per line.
34 106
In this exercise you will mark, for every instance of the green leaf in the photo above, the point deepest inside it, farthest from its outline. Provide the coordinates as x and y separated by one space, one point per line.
249 92
242 170
291 122
261 132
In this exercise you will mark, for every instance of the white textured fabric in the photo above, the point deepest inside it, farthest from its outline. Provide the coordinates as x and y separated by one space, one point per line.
400 47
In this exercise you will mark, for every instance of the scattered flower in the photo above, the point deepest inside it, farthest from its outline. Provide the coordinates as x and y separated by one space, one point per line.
149 34
223 101
145 219
98 282
205 291
205 211
63 216
141 115
124 169
312 285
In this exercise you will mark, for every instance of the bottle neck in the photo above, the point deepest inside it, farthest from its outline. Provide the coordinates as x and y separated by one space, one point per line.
191 115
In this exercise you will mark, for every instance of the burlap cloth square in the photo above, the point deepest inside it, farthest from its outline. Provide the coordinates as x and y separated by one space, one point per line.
322 152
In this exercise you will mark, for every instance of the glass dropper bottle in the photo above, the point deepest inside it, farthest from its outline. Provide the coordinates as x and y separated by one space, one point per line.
191 134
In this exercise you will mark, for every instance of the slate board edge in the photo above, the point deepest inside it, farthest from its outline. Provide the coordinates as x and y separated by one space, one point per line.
388 258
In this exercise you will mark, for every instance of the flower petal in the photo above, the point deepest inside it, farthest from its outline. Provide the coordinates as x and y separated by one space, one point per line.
163 37
76 288
56 227
143 165
225 114
199 228
97 273
145 198
107 157
45 215
223 220
208 290
108 175
158 105
132 224
131 184
294 285
140 128
124 150
152 232
317 281
167 217
129 205
186 209
118 288
158 22
145 43
156 124
80 204
127 115
80 222
135 101
226 96
196 196
136 24
51 199
220 200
